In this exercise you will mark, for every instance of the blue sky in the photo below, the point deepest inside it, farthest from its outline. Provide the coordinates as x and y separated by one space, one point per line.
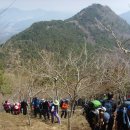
72 6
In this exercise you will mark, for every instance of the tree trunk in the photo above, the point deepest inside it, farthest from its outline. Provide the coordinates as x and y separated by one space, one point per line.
69 123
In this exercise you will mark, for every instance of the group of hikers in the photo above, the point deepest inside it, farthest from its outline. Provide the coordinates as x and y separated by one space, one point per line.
15 108
101 114
108 114
48 110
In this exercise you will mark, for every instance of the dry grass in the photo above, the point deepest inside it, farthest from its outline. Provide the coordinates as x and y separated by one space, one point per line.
20 122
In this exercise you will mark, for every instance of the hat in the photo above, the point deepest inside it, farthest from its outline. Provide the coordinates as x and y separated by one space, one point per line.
56 102
43 99
102 109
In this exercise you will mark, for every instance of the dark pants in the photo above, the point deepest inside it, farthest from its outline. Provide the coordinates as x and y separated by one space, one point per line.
64 113
110 123
45 113
36 111
105 126
121 126
95 128
40 113
7 110
25 111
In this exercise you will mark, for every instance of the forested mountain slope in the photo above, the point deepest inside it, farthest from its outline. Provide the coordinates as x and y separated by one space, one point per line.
62 37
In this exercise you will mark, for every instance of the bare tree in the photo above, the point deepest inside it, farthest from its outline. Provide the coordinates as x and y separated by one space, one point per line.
120 71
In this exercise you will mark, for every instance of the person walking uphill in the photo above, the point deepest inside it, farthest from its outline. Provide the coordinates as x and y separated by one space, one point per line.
110 106
35 104
54 111
7 106
24 106
45 109
64 107
123 118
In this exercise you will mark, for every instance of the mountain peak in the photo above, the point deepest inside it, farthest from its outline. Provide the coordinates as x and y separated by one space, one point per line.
105 15
64 36
97 6
94 10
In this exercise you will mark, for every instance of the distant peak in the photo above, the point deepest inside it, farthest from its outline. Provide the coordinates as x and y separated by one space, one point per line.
92 11
98 6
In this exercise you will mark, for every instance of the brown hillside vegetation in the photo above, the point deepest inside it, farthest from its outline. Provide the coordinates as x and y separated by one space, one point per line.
20 122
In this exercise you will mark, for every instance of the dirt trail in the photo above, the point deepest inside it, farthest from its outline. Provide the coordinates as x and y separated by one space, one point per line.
20 122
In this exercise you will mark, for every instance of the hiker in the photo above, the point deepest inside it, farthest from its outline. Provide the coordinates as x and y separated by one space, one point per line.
54 111
96 115
74 107
123 118
64 107
24 106
61 102
103 118
92 113
12 108
110 106
40 108
17 108
80 102
7 106
45 109
85 109
35 104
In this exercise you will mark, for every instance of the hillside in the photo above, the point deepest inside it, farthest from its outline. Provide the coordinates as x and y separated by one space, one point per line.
86 19
15 122
15 20
55 36
68 49
64 36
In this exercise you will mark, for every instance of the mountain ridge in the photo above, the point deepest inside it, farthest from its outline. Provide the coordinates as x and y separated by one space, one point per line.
15 20
71 34
70 48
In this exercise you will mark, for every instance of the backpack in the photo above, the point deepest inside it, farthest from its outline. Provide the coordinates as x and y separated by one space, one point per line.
90 107
6 106
121 116
55 107
108 106
16 107
95 104
64 106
